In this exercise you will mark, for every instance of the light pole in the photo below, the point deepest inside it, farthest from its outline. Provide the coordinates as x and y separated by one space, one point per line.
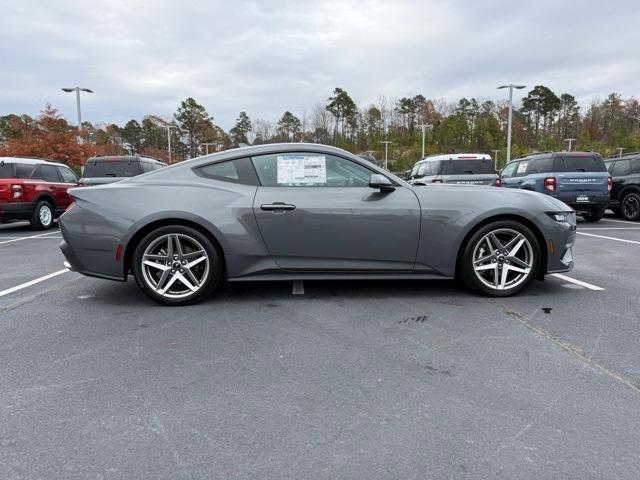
424 127
495 158
78 90
169 127
570 140
511 86
620 150
386 152
206 144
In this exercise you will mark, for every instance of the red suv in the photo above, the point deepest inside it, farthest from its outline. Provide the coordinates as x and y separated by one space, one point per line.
35 190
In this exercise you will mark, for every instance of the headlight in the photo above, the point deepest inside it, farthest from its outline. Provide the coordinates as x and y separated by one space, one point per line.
564 217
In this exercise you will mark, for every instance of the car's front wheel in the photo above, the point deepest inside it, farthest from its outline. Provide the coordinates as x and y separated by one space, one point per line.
500 259
176 265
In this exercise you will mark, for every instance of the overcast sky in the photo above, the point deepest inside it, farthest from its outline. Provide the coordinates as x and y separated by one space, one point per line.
264 57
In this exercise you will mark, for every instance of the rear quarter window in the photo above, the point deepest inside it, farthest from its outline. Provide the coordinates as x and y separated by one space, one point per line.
234 171
6 170
575 163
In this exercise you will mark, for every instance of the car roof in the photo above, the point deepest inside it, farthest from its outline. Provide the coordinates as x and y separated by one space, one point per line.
456 156
552 154
30 161
626 156
125 158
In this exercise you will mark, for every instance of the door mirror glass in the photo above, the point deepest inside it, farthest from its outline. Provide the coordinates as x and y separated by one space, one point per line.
381 182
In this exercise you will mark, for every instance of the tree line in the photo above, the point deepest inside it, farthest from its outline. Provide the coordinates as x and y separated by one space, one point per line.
542 121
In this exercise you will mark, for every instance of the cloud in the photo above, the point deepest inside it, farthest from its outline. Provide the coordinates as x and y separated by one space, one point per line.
265 57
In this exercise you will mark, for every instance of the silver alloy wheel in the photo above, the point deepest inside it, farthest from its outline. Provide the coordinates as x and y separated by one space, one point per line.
503 259
45 215
175 265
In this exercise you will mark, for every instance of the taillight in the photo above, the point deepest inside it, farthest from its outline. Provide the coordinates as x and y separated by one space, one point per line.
609 184
550 184
437 180
498 182
16 191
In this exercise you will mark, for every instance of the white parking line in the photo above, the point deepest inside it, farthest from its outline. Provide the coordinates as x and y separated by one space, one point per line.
26 238
32 282
577 282
610 228
618 221
609 238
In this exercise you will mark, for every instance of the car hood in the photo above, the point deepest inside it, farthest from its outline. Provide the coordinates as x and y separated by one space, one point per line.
497 196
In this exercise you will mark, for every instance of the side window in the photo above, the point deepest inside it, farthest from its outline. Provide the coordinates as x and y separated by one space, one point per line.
234 171
539 165
23 170
509 170
414 171
146 166
621 168
609 166
522 168
48 173
67 175
635 165
309 170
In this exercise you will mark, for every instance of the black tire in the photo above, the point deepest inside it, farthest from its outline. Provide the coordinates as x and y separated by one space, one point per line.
42 217
208 278
501 228
594 216
630 206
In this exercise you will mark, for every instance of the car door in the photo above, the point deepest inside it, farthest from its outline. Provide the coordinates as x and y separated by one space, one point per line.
69 180
317 212
508 175
619 172
52 183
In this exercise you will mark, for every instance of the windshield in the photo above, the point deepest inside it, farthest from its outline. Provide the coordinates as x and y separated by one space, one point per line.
467 167
589 163
111 168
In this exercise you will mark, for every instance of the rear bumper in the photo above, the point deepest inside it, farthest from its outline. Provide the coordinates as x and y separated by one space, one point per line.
596 202
16 210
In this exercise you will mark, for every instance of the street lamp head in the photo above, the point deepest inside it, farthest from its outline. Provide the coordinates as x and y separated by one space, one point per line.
503 86
519 87
86 90
68 89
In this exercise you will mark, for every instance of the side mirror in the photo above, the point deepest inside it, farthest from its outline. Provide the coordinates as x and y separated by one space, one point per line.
381 182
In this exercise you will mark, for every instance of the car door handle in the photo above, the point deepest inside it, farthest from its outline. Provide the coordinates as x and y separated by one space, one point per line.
277 206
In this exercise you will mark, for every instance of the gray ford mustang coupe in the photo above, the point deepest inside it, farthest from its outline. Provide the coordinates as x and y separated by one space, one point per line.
307 212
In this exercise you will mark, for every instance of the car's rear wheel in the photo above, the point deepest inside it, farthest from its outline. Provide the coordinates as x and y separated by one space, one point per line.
594 216
630 206
500 259
42 218
176 265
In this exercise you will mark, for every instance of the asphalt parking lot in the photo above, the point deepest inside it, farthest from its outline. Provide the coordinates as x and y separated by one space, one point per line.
373 380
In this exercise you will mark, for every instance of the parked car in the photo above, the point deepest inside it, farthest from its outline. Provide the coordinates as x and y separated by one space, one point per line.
625 192
304 211
579 179
103 170
35 190
459 168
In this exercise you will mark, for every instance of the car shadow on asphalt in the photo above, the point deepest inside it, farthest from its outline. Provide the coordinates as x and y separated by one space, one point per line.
128 294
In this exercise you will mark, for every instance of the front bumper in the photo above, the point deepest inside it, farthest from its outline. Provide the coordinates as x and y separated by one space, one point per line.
560 248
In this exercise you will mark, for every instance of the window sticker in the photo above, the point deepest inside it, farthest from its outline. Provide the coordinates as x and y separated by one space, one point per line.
302 169
522 167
